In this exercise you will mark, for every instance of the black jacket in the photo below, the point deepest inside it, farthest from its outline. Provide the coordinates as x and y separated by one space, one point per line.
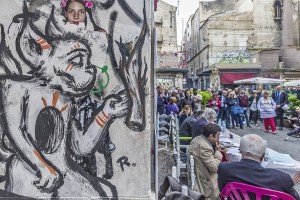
225 101
283 98
187 101
252 173
198 127
252 98
185 130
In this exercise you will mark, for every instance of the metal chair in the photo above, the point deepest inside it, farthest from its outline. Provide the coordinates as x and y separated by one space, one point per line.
239 191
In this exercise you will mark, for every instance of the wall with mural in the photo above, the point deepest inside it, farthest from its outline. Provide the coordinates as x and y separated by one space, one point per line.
74 100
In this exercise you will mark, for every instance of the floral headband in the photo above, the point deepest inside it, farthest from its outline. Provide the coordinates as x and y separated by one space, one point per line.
87 3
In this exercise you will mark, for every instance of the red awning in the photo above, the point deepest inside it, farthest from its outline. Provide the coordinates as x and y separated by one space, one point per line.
229 77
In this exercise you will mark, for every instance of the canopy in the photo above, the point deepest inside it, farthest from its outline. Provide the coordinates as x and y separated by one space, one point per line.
259 80
292 83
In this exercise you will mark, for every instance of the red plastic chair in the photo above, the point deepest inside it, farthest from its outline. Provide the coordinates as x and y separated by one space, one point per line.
234 190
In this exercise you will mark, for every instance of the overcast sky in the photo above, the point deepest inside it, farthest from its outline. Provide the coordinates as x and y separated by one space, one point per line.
186 8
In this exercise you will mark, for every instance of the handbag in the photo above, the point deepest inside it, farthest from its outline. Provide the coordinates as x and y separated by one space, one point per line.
285 107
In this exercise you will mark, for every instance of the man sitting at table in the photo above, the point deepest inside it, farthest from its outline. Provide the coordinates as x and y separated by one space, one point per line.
207 160
208 116
249 170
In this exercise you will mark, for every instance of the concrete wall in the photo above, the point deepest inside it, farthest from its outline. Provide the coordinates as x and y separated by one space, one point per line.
75 103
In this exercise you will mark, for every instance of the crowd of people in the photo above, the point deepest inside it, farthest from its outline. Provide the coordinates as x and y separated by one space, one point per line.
234 108
230 109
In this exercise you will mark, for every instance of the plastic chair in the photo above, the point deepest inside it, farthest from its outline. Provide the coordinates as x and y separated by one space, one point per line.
239 191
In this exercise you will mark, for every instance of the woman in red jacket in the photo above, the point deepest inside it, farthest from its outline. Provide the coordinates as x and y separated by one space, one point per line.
214 103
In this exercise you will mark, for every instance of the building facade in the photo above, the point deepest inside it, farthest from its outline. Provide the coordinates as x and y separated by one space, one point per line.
237 39
169 62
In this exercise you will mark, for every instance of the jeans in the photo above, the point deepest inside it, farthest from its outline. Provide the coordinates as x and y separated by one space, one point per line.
224 116
246 115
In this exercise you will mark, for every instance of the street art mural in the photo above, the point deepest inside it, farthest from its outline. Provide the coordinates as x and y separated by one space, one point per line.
238 56
73 81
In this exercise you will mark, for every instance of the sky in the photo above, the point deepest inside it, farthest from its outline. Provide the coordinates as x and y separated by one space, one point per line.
186 8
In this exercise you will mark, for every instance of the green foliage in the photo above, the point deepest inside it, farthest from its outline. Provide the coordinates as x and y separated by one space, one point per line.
205 97
293 101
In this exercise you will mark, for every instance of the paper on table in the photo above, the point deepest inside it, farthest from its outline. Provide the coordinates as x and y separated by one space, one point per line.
284 164
225 140
280 157
234 151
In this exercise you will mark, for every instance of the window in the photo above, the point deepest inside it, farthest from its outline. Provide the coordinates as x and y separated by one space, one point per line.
171 19
277 9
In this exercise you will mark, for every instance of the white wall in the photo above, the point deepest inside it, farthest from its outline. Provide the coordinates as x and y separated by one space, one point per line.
121 107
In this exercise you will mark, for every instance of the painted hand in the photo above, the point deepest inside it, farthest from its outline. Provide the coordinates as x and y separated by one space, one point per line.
116 105
48 180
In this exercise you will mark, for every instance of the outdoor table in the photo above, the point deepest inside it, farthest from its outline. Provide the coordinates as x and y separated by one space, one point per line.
232 154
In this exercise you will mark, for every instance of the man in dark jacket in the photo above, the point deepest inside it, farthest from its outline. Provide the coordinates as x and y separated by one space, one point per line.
249 170
281 98
186 128
208 116
224 109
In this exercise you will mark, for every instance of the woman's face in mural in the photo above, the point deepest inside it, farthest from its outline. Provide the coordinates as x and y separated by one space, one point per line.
75 13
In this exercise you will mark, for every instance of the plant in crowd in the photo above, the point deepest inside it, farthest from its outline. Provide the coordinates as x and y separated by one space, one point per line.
205 97
293 101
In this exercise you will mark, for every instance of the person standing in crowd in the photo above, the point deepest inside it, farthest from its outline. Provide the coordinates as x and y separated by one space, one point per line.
207 160
267 106
253 100
233 105
186 111
214 103
243 103
297 92
161 100
187 100
223 112
208 116
280 98
172 107
174 93
253 149
180 93
197 98
186 128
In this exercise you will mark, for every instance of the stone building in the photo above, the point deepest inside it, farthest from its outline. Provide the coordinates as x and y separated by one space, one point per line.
291 38
237 39
169 71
